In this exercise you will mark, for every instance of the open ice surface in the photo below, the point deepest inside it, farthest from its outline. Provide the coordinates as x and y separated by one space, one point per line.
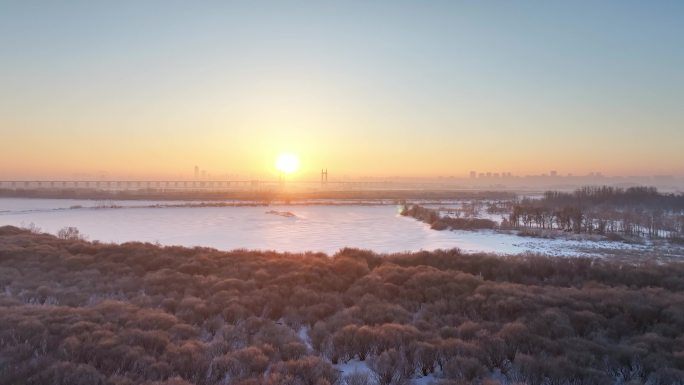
313 228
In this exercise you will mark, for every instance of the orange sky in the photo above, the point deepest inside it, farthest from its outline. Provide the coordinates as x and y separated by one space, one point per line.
383 89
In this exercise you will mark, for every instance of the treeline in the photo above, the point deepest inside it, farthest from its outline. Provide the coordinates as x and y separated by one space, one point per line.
642 196
261 195
75 312
439 222
636 211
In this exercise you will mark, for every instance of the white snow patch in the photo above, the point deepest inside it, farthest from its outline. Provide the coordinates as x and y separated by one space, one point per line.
353 366
425 380
356 366
303 334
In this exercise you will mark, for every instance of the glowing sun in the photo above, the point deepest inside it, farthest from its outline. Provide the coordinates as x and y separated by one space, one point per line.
287 163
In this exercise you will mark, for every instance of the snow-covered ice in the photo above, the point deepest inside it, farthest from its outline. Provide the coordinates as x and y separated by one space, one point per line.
314 228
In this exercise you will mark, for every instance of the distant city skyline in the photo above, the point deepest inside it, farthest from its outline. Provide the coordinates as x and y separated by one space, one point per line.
199 174
516 183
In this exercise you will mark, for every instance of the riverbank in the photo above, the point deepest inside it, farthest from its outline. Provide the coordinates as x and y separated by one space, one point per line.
254 195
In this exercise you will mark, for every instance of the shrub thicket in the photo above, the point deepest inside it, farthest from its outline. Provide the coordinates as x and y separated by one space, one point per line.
77 312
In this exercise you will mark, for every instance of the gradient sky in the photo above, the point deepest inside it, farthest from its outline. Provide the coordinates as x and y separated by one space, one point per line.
400 88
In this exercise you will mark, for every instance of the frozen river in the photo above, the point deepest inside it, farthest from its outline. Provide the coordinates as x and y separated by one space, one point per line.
313 228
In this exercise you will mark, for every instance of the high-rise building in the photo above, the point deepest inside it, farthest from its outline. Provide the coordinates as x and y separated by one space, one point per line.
473 174
553 173
196 172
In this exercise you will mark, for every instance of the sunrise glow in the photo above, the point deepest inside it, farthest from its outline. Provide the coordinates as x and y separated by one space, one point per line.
287 163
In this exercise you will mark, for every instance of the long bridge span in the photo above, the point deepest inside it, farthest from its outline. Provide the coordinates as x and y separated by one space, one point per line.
183 185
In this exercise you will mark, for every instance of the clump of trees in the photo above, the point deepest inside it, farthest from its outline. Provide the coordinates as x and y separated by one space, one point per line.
439 222
632 212
78 312
70 232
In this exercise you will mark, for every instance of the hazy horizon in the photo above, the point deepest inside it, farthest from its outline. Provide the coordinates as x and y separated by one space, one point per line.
402 89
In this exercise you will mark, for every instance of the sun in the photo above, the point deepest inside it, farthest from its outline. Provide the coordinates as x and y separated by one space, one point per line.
287 163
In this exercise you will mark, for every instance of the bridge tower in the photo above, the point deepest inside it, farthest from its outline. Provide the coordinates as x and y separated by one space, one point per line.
324 177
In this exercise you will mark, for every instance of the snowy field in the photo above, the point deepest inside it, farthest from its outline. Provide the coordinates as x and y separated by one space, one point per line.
324 228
